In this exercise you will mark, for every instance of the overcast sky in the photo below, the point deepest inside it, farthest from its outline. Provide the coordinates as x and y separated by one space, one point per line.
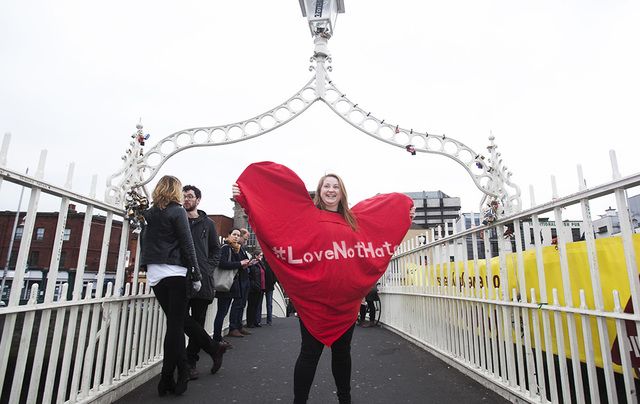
556 82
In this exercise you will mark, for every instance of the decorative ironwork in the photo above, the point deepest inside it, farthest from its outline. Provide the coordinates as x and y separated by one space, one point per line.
488 174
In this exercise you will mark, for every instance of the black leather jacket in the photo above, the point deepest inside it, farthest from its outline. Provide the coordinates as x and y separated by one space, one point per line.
166 238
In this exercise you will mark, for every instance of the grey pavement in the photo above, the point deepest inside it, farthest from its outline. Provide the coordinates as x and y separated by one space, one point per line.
386 369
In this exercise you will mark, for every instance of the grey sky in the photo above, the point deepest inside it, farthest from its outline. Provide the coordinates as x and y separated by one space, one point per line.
556 82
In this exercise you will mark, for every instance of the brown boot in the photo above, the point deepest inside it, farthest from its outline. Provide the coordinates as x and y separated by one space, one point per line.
219 351
235 333
244 331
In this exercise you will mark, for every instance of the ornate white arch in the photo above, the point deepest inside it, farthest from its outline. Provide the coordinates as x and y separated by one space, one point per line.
488 174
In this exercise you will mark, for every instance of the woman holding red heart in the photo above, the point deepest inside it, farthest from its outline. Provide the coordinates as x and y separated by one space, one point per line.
326 256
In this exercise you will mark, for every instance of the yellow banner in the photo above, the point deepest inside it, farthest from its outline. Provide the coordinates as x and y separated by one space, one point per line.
612 272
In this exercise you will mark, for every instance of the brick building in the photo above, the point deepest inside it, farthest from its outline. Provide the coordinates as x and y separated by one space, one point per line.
42 240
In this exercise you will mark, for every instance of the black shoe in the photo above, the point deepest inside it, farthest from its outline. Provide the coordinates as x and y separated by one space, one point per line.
193 373
217 357
166 385
183 379
257 325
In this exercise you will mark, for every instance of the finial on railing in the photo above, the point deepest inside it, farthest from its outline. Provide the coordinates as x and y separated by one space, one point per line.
130 175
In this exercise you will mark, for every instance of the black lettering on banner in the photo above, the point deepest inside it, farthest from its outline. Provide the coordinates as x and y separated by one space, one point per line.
439 281
496 281
446 281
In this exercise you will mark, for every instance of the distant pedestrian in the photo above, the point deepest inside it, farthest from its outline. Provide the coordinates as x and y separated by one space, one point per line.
230 260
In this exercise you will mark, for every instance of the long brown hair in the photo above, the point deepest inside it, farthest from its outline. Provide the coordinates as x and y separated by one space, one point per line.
343 204
167 190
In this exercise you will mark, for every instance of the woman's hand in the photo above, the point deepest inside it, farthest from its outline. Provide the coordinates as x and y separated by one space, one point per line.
235 190
245 263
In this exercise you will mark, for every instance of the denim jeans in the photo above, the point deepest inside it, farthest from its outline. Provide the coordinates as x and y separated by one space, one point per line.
238 305
223 308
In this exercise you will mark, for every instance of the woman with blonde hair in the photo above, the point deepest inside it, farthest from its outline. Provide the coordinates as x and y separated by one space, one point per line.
168 252
325 254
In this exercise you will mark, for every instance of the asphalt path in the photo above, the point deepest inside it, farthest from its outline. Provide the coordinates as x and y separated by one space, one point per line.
386 369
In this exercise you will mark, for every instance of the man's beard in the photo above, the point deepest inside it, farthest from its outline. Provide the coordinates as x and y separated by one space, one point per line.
191 209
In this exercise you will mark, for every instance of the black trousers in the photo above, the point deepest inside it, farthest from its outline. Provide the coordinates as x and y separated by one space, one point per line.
310 352
255 298
171 293
194 328
371 307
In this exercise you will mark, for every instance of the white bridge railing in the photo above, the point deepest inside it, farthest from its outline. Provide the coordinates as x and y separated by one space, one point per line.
93 347
552 323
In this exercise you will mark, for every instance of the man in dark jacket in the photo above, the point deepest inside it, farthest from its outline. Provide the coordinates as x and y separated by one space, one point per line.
207 245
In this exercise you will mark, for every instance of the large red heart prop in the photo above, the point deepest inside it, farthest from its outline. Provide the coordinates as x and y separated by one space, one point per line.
325 267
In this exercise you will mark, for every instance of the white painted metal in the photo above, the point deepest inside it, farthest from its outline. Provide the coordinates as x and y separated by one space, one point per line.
530 373
589 354
568 298
53 355
623 342
23 351
21 264
594 271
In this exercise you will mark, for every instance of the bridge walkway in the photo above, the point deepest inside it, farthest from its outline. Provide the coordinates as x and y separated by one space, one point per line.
386 369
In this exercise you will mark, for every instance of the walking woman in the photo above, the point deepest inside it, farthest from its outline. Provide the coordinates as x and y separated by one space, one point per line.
326 256
230 259
172 270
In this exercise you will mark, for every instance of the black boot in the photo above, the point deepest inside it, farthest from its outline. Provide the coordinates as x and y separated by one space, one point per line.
183 379
166 385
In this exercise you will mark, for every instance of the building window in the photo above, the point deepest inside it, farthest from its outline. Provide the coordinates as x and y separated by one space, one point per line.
67 235
13 259
19 231
63 257
554 232
34 257
576 235
40 233
252 242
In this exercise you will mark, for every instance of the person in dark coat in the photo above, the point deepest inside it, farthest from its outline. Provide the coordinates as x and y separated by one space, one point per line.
267 292
230 259
205 240
257 281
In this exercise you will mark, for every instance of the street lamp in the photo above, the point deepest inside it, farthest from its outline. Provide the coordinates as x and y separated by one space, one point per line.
322 15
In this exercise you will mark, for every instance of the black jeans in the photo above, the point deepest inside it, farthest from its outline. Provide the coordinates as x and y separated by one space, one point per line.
171 293
310 352
371 307
194 328
252 307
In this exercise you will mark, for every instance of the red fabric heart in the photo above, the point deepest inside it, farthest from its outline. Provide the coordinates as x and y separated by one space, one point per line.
324 266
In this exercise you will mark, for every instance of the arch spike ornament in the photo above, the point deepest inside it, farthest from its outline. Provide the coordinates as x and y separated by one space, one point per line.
488 174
